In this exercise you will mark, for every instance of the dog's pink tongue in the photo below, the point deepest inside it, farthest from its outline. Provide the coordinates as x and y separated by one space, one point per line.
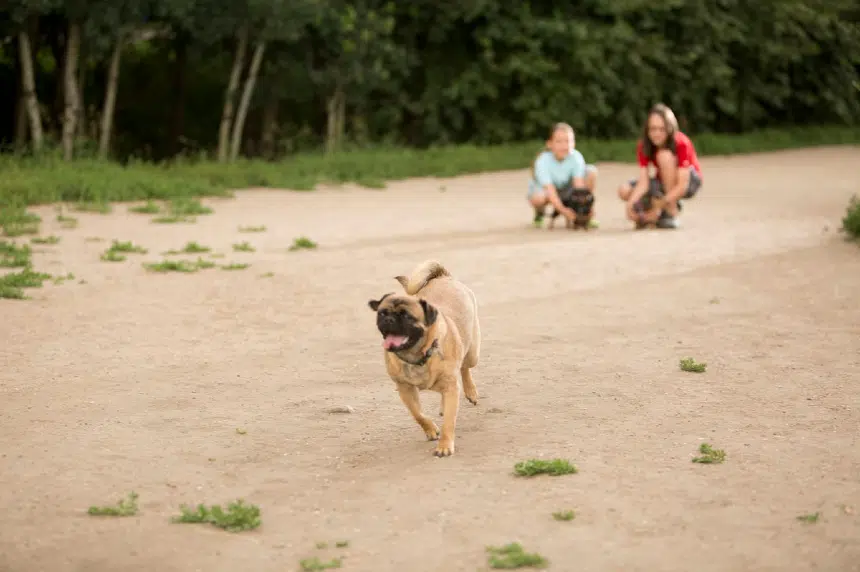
393 341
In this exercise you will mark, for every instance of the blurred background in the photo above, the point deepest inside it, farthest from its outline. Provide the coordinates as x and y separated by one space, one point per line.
156 79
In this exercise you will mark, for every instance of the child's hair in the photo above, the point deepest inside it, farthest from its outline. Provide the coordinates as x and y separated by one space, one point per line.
552 131
668 116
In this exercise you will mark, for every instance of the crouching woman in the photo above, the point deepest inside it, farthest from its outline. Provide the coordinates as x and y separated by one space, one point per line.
657 200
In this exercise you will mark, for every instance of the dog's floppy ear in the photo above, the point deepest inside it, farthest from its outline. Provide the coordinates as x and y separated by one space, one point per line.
374 304
404 281
430 313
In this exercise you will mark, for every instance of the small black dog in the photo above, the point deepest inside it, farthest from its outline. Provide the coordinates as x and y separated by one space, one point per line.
581 201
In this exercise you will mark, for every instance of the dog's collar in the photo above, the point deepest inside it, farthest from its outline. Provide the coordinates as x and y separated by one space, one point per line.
430 351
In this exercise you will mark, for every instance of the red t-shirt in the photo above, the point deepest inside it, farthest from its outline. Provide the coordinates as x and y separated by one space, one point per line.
685 151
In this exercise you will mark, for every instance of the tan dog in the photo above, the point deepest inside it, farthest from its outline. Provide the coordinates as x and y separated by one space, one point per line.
431 337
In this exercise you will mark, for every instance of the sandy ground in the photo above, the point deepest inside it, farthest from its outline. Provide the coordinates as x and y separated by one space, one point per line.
137 381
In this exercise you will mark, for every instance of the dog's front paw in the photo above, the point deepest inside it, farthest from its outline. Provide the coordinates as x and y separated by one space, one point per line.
445 448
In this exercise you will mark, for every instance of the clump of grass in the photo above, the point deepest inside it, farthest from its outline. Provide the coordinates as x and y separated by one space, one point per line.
14 256
183 209
809 518
112 256
117 251
564 515
67 222
511 556
709 455
16 221
261 228
322 545
237 518
851 220
12 285
125 507
554 467
692 366
99 207
150 207
243 247
267 275
45 240
314 564
178 265
342 543
61 279
190 248
235 266
303 243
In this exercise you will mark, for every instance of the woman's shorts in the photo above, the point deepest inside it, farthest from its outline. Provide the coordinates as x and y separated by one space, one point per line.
655 186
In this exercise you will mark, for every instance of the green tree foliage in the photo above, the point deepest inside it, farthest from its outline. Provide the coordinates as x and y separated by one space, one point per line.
359 72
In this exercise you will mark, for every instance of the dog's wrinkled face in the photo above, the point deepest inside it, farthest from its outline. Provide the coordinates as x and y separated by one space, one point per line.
402 320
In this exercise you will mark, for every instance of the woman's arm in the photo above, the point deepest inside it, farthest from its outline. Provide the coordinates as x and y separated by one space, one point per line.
641 186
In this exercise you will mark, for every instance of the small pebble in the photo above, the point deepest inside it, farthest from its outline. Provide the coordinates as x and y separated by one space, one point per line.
341 409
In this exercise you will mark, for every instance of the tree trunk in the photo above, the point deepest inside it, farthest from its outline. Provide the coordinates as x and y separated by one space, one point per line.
70 115
230 96
81 131
336 115
239 124
180 69
29 85
270 127
110 98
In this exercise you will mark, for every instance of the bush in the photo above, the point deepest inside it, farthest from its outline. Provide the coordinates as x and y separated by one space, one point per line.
851 221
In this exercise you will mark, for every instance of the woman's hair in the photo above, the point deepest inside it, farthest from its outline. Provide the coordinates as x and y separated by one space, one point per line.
668 116
552 131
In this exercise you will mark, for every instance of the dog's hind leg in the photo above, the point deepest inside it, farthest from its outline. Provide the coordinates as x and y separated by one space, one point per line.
409 396
469 389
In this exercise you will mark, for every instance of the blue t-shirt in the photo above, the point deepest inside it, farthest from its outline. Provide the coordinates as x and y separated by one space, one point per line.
549 170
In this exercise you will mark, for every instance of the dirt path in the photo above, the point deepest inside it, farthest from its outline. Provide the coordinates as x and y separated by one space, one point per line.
135 381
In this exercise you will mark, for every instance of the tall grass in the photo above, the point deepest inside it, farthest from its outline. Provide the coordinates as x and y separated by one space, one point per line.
29 180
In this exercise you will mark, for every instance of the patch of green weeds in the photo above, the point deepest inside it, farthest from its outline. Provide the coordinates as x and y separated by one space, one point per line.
303 243
235 266
186 266
12 285
243 247
267 275
322 545
189 248
118 250
183 209
342 543
315 564
692 366
61 279
125 507
14 256
709 455
67 222
564 515
45 239
554 467
512 556
237 518
150 207
809 518
261 228
16 221
98 207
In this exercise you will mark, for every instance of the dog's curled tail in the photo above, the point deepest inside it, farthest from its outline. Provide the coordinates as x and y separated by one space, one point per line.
423 273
